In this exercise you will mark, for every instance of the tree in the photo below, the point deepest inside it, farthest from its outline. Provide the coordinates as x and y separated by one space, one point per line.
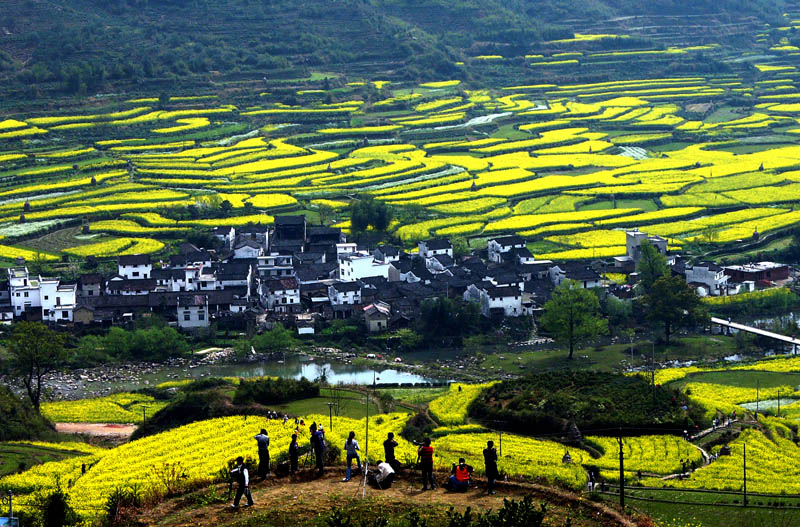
35 351
326 213
406 340
572 315
367 211
460 247
673 302
276 339
652 266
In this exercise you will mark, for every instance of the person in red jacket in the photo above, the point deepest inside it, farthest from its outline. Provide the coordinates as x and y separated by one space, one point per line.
425 458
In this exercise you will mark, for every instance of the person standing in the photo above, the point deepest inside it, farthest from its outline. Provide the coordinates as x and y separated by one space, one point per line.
351 448
425 456
294 454
318 442
242 478
388 449
490 461
263 453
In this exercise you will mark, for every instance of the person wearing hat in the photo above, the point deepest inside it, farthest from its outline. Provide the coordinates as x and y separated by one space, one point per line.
263 453
242 477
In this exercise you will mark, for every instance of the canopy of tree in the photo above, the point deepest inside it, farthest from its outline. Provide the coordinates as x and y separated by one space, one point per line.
92 43
546 403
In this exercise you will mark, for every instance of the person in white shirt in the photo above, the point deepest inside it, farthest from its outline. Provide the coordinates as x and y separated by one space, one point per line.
383 476
242 478
352 448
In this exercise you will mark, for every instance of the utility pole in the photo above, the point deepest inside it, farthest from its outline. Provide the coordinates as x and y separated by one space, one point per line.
144 414
744 463
621 472
758 385
653 369
501 443
330 414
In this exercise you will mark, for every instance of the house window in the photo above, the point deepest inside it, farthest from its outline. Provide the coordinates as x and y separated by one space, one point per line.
64 314
45 296
26 294
187 316
89 293
201 316
135 273
58 300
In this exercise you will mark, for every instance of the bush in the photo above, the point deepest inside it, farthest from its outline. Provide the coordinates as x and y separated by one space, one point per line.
19 420
546 403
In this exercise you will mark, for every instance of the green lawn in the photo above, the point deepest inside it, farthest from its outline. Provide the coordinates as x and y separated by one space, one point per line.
745 378
611 357
644 204
713 509
416 396
14 458
61 239
352 404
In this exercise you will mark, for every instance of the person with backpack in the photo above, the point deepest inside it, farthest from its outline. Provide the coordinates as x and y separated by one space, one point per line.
294 454
351 448
263 453
490 462
240 475
425 458
318 443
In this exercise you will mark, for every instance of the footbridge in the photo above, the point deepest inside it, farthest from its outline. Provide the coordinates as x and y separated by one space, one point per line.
757 331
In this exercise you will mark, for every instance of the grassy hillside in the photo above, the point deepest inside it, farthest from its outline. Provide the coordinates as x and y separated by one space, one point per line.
83 46
19 420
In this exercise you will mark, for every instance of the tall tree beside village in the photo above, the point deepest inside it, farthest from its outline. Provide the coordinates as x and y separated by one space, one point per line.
673 303
572 315
652 266
34 352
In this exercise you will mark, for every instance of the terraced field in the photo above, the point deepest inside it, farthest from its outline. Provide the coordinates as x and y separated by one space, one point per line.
709 159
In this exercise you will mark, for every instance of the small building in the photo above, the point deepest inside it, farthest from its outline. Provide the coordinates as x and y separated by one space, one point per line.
497 247
247 248
83 313
90 285
134 266
344 293
193 311
290 227
281 295
633 243
377 316
757 272
708 277
428 248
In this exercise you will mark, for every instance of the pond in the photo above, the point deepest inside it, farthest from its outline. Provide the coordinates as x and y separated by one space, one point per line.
292 367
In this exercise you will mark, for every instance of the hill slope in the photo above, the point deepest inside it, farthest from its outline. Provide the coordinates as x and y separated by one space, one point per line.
88 45
303 501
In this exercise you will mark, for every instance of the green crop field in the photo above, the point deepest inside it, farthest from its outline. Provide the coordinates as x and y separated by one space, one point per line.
549 160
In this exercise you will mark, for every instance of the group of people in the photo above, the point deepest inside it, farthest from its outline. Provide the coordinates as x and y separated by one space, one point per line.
381 477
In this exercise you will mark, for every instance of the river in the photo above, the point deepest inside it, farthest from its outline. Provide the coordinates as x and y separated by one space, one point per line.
92 383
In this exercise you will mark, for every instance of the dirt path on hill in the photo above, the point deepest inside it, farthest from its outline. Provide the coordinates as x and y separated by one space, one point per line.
112 430
287 502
